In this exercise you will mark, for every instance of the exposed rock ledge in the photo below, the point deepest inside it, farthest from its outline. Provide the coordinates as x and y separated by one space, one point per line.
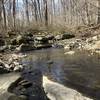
56 91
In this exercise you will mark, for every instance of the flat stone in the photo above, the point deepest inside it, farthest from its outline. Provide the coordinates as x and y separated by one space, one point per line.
57 91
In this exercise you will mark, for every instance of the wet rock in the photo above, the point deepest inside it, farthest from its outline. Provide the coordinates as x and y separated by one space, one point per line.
29 85
17 68
25 47
41 39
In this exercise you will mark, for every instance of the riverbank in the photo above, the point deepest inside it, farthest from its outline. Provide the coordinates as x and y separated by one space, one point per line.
87 38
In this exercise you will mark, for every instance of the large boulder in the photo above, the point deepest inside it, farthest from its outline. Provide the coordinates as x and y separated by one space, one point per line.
29 86
22 39
41 39
57 91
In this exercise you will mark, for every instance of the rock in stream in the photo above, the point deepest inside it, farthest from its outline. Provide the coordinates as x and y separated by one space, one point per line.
28 86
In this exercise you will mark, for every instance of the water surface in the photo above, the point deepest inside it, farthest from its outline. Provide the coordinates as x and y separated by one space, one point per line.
78 71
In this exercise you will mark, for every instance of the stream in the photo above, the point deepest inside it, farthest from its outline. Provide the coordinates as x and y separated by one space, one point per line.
80 71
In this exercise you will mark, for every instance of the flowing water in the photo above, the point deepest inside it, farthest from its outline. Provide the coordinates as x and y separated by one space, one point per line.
80 71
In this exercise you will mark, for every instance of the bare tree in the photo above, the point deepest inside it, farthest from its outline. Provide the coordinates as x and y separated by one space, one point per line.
46 12
14 12
4 14
27 11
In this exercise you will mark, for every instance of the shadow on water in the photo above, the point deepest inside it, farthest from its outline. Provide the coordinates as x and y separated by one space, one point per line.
80 71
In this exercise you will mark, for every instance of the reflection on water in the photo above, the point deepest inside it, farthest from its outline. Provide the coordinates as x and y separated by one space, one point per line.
80 68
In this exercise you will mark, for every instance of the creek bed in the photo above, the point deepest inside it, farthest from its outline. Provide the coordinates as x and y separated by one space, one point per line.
80 71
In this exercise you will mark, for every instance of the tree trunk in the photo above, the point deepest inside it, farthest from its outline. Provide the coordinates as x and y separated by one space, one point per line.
14 12
4 14
46 13
0 12
27 12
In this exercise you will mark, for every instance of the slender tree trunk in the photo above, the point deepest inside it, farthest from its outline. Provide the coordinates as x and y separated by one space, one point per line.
39 10
9 18
46 13
0 12
4 14
14 12
35 9
27 12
